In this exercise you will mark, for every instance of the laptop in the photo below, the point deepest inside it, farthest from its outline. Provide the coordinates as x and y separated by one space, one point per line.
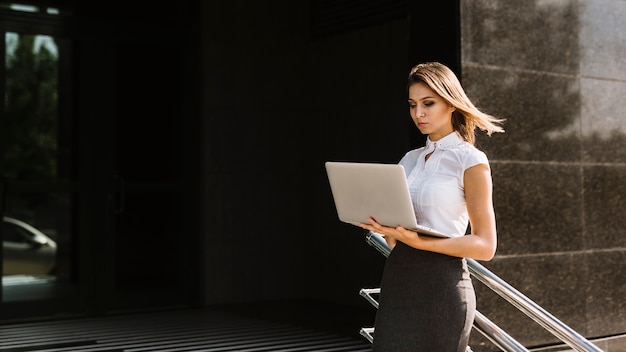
361 190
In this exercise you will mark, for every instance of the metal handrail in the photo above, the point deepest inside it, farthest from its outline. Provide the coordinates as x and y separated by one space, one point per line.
557 328
483 325
531 309
496 335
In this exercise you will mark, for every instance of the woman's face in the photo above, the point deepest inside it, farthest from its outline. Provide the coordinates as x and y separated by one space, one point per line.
431 114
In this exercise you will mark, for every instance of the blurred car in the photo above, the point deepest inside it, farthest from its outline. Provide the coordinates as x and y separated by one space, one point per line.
26 250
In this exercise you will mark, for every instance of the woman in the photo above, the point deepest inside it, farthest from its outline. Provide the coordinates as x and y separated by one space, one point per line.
427 300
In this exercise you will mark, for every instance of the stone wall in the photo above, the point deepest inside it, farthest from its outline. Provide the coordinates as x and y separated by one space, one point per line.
555 69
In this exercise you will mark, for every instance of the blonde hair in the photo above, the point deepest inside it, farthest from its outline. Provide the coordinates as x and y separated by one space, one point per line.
466 117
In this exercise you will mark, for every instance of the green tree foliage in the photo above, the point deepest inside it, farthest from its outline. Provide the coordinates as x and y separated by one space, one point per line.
29 126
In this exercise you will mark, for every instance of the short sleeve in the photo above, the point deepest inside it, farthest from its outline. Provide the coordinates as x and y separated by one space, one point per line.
475 157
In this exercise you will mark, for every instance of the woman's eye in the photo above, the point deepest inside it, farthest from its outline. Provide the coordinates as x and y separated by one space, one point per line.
412 106
429 103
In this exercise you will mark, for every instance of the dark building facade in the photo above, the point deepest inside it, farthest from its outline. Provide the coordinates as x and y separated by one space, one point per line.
186 168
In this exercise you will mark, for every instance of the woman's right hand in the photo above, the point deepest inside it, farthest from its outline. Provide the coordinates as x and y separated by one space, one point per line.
390 234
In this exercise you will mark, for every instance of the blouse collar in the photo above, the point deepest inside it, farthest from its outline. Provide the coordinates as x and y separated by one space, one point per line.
449 141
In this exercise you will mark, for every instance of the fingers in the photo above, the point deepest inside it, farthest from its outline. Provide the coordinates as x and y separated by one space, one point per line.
373 222
372 226
366 226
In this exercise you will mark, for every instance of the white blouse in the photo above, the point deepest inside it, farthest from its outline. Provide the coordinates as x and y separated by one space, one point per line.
436 185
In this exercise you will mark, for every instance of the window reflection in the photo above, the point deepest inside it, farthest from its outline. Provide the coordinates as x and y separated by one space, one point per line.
36 214
27 250
30 121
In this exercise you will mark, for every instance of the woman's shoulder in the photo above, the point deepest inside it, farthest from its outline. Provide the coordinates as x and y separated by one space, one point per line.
413 153
469 148
469 155
409 160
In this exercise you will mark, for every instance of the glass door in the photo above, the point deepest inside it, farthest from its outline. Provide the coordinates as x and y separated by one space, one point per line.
37 199
98 166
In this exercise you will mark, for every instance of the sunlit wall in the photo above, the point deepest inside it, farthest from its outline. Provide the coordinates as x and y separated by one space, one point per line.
556 71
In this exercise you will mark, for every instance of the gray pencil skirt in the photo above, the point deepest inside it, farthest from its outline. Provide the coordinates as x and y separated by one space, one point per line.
426 303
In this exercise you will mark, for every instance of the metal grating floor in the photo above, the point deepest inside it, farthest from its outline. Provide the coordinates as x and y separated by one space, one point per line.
181 330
